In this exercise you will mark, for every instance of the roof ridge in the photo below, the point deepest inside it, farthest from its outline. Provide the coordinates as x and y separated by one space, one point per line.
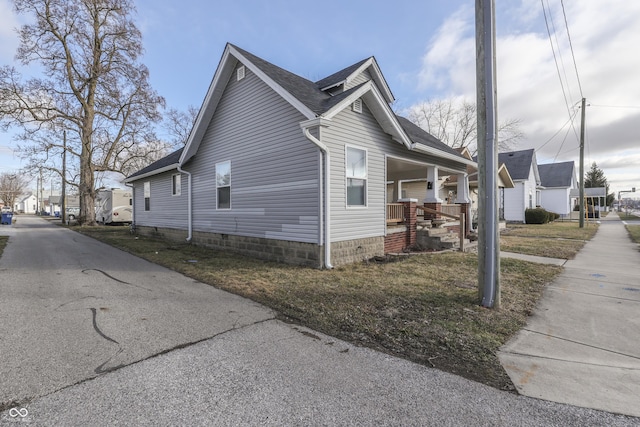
340 75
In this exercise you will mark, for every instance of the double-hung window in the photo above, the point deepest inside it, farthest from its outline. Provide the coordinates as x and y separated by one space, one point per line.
356 174
223 184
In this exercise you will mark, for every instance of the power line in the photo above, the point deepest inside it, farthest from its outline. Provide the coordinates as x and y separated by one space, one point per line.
632 107
564 93
558 131
575 65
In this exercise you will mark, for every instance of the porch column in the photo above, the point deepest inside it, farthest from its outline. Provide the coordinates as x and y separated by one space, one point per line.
463 199
410 221
432 201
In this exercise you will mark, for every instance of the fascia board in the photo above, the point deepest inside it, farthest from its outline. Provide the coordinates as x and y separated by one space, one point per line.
151 173
435 152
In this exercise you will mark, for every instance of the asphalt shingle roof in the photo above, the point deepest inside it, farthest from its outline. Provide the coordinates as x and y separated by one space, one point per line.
556 174
340 76
419 135
159 164
518 163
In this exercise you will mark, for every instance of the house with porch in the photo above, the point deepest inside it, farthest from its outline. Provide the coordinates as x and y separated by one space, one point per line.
280 167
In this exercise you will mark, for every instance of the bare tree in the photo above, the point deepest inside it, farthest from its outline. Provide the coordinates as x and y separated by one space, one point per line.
92 86
11 187
178 125
454 122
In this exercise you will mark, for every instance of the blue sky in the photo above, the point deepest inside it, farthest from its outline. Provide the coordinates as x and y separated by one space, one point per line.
425 50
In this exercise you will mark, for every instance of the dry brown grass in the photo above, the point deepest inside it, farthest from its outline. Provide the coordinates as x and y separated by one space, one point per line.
634 232
553 240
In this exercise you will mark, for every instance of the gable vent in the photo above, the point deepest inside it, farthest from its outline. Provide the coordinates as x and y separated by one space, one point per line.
240 73
357 105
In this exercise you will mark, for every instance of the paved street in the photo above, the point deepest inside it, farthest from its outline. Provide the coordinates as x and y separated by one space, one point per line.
80 322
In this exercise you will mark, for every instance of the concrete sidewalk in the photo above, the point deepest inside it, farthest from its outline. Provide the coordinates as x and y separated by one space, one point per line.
582 345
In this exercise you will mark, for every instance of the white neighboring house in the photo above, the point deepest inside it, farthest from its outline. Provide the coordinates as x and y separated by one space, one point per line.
558 180
525 194
27 203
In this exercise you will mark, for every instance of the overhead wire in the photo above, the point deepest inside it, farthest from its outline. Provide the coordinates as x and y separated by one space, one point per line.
558 131
555 58
575 65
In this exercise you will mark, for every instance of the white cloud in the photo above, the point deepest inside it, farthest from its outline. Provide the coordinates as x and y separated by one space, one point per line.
8 36
604 35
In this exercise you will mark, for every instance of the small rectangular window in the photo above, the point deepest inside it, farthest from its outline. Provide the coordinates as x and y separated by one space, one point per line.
147 196
240 73
356 174
223 184
176 184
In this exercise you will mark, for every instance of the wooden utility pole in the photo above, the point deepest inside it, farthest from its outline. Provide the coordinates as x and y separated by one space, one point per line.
488 229
583 114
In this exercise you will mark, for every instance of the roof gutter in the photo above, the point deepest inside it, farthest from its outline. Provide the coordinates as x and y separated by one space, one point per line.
189 208
306 125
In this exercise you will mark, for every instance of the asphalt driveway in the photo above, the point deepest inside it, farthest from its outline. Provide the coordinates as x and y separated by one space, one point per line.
73 308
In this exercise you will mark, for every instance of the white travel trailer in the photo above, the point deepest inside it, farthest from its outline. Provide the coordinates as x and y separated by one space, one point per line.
114 206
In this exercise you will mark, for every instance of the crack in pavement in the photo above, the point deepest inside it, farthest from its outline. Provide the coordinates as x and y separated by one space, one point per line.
580 343
97 329
116 279
100 371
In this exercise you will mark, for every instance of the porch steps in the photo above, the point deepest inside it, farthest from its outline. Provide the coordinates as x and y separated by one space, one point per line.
434 236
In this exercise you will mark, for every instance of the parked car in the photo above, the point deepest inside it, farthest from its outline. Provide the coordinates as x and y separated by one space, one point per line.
72 213
6 209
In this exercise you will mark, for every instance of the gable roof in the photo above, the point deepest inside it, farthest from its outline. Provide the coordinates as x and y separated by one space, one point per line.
166 163
555 175
519 163
311 101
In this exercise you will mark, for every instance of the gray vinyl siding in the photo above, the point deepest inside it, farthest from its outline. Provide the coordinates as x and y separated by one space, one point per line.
363 77
274 168
361 130
166 210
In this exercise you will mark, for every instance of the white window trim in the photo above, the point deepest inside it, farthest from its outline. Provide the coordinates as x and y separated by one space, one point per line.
217 187
146 195
176 184
366 178
240 73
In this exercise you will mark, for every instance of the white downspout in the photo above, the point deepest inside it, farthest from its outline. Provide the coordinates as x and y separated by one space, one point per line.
189 210
327 194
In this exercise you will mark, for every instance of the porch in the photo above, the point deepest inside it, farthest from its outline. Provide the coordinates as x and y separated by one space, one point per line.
440 213
411 226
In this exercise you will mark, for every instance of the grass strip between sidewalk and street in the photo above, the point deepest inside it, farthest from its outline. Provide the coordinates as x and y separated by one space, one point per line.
634 232
554 240
423 307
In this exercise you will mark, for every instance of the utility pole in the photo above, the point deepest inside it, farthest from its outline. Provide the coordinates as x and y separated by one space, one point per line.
583 114
488 230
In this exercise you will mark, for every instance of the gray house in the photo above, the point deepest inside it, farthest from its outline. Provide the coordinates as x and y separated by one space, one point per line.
280 167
